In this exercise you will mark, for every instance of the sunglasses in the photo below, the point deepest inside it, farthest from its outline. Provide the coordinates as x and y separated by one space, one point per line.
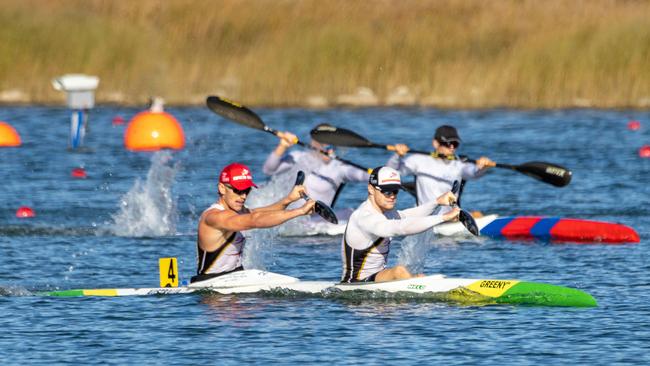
450 144
390 193
327 147
239 192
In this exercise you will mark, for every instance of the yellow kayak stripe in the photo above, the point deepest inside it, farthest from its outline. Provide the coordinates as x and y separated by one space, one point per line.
100 292
492 288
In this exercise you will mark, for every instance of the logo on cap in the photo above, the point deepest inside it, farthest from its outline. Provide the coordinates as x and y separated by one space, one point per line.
237 175
385 178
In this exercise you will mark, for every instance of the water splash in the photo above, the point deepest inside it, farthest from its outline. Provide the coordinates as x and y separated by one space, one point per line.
149 209
14 291
258 252
413 253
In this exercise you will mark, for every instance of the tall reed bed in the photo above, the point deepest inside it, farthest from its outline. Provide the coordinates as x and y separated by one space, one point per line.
456 53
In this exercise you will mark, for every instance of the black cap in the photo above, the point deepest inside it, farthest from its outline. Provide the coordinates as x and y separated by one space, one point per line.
446 133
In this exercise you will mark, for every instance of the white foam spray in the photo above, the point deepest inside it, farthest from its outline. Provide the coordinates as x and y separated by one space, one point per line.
413 253
148 208
258 252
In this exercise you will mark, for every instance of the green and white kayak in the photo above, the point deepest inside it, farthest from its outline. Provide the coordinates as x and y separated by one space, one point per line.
462 290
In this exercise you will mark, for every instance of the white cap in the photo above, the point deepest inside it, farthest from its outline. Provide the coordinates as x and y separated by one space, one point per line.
385 178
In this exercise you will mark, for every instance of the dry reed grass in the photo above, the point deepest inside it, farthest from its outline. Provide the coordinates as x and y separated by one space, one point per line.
456 53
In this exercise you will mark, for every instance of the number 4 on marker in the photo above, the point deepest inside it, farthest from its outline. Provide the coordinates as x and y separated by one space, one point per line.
168 272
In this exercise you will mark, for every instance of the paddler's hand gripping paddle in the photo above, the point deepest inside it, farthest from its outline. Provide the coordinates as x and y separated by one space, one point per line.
465 217
321 209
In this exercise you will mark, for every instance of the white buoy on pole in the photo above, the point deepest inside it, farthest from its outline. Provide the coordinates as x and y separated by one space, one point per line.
80 92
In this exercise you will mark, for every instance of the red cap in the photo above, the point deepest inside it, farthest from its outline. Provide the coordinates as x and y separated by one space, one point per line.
237 175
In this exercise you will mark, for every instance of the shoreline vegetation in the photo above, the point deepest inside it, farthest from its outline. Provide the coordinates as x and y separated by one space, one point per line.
311 53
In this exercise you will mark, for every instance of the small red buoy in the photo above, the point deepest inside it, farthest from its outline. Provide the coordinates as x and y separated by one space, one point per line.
79 173
24 212
118 120
644 151
633 125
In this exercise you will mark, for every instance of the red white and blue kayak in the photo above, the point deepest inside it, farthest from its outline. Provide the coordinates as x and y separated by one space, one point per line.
552 229
558 229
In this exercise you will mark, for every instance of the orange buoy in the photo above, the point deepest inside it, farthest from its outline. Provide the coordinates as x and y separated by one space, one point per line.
633 125
644 151
8 136
151 131
24 212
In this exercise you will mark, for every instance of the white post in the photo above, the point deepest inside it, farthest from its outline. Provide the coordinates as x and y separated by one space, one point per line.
80 91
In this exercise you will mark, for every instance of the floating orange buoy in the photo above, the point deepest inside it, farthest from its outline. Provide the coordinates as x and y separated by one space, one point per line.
150 131
633 125
644 151
79 173
118 120
8 136
24 212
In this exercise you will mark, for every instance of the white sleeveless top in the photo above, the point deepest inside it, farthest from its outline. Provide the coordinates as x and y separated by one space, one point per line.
226 257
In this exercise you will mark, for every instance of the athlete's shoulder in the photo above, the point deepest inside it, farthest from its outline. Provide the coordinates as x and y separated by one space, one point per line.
418 159
365 210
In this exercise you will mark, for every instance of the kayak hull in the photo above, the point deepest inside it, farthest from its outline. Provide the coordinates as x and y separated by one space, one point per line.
555 229
463 290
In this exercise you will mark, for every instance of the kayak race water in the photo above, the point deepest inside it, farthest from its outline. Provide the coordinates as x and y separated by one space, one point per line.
107 231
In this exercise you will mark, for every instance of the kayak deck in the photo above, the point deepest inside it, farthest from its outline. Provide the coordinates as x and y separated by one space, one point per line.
465 291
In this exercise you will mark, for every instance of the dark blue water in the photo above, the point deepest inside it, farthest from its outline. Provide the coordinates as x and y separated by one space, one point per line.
110 229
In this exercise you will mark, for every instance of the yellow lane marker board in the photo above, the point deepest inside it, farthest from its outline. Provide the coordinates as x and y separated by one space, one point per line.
168 272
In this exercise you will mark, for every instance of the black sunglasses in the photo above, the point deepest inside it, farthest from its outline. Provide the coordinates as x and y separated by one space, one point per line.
239 192
390 193
453 144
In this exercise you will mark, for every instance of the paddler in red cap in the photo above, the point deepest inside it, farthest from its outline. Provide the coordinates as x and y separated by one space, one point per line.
220 242
368 234
436 174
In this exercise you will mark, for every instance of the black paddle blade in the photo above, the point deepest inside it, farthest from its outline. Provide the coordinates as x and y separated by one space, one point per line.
468 221
549 173
410 188
454 187
300 178
234 112
325 212
339 137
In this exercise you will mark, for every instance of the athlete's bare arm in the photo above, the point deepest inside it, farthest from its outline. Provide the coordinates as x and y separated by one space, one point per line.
294 195
231 221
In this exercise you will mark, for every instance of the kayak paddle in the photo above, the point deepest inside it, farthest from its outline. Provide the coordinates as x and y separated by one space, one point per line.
321 209
463 216
244 116
553 174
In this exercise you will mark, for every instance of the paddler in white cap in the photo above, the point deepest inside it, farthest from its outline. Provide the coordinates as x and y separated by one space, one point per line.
367 237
